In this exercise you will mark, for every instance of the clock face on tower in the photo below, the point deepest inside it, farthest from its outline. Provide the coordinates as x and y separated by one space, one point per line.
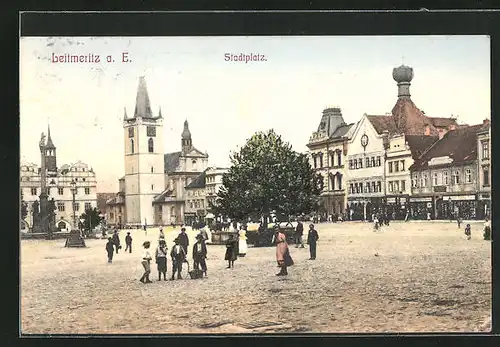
364 140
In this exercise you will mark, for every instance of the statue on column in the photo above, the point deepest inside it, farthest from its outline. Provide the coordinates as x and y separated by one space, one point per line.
42 141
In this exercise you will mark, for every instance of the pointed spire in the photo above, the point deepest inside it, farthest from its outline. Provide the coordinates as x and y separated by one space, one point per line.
142 104
186 134
125 117
49 144
159 113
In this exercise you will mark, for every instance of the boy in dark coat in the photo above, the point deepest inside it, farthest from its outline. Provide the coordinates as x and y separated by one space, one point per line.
312 239
231 251
200 254
128 242
110 249
178 256
116 241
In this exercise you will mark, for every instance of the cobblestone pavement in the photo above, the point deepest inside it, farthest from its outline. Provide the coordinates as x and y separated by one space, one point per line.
408 277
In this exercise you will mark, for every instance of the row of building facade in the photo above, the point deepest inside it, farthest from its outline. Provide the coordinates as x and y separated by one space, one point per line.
403 163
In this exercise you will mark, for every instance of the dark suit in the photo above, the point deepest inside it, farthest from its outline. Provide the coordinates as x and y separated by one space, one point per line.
312 238
199 256
184 241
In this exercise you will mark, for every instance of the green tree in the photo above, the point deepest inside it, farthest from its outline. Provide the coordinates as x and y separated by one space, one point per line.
91 218
266 176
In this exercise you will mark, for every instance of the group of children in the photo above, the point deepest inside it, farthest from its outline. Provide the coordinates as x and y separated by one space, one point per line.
114 243
178 254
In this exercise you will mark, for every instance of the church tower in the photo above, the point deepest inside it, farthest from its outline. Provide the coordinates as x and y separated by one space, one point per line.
50 155
144 159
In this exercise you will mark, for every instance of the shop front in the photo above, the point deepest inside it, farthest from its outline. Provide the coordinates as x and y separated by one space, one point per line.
189 218
484 206
420 207
364 208
396 206
334 205
463 206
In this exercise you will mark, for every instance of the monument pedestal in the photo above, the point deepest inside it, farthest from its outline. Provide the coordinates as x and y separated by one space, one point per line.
75 239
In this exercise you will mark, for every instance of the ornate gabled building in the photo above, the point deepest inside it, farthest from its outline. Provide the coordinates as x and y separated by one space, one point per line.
484 170
327 151
382 149
58 183
181 168
446 176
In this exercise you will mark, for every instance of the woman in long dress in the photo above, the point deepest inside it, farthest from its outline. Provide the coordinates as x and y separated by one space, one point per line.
242 244
282 253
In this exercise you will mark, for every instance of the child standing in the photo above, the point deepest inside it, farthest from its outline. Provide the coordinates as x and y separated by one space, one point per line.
110 248
467 231
161 259
231 251
128 242
146 263
178 256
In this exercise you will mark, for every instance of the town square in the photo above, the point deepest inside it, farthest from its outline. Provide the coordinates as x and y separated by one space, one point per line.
318 197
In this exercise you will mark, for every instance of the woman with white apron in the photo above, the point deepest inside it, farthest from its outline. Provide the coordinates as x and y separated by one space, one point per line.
242 244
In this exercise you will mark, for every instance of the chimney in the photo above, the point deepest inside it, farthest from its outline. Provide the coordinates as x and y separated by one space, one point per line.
486 121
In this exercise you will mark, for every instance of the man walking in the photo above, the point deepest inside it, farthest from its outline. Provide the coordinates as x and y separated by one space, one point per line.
116 241
312 239
299 232
128 242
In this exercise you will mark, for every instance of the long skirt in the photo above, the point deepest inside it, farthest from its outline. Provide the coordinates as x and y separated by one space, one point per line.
231 254
162 264
242 245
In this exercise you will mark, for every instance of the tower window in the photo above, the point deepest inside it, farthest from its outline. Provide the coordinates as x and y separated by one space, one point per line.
151 131
130 132
152 169
152 187
150 145
131 145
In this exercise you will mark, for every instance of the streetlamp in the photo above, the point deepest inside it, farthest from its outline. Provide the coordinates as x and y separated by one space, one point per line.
73 191
449 208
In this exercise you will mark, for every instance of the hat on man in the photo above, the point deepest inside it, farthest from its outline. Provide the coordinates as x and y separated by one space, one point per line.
146 243
176 240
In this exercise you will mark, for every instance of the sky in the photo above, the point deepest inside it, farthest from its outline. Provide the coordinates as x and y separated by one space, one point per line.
225 102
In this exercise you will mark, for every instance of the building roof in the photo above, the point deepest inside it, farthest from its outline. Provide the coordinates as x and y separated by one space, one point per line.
186 134
407 119
441 122
341 130
171 161
161 197
198 182
459 144
49 144
419 144
102 200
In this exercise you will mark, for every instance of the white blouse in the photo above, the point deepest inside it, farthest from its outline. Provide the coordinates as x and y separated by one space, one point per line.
146 254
